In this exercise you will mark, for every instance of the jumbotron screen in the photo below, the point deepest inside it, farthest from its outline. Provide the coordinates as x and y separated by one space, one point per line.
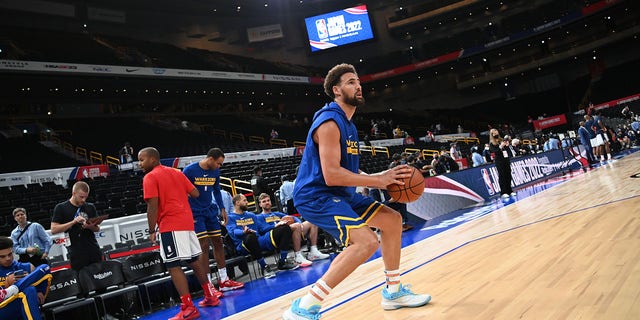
339 28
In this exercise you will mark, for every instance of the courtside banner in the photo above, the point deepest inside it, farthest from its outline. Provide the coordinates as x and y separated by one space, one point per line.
452 191
549 122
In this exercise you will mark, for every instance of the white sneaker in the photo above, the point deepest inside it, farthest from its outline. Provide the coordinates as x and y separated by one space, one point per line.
505 196
513 194
403 298
302 262
317 255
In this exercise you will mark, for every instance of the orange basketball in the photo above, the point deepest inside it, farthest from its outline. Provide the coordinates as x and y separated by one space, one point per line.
412 189
288 219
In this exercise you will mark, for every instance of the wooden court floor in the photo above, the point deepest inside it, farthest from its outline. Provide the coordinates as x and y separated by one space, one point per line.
569 252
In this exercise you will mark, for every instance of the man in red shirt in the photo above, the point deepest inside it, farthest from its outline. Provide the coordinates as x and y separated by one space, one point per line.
165 190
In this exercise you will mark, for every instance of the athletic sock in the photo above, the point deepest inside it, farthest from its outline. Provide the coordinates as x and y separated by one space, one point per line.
314 250
283 256
318 292
392 280
222 271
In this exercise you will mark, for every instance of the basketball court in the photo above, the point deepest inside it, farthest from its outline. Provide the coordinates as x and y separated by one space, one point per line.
566 248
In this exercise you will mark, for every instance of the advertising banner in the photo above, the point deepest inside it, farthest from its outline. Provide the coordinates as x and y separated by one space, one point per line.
549 122
263 33
459 189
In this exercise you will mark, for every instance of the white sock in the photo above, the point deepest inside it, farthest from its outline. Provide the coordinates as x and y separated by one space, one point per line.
392 280
314 249
223 274
11 291
319 291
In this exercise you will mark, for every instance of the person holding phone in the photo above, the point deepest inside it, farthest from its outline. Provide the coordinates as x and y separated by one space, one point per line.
20 277
30 241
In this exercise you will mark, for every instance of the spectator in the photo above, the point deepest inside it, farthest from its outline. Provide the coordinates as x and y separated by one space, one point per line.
30 241
251 235
286 195
454 152
486 154
395 160
274 134
429 137
552 143
165 191
259 185
476 158
227 202
299 231
21 277
398 133
205 176
408 139
126 153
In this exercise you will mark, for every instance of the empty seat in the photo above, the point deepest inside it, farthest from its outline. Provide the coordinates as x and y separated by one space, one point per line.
109 276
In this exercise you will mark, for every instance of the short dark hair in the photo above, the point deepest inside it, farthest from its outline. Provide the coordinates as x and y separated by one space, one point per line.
5 243
151 152
333 77
215 153
256 169
236 198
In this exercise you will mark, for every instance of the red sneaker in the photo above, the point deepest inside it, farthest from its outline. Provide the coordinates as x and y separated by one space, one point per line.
209 302
230 285
187 313
216 293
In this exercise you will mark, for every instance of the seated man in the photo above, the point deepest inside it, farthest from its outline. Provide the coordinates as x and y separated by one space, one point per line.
251 235
299 230
20 281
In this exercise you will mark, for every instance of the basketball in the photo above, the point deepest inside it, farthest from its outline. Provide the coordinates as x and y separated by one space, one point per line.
288 219
412 189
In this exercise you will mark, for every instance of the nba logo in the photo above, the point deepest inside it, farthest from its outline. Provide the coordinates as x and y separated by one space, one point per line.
487 181
321 26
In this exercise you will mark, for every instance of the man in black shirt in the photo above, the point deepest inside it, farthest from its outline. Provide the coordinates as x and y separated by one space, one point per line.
73 216
259 186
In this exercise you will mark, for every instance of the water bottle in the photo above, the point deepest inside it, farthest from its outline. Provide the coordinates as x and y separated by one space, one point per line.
38 252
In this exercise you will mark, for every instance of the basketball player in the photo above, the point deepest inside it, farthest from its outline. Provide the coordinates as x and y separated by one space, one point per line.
205 175
324 194
165 190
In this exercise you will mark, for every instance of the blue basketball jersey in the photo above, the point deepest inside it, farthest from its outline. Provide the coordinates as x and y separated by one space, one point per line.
310 183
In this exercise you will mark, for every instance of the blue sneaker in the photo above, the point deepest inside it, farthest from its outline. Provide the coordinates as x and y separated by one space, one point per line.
297 313
403 298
